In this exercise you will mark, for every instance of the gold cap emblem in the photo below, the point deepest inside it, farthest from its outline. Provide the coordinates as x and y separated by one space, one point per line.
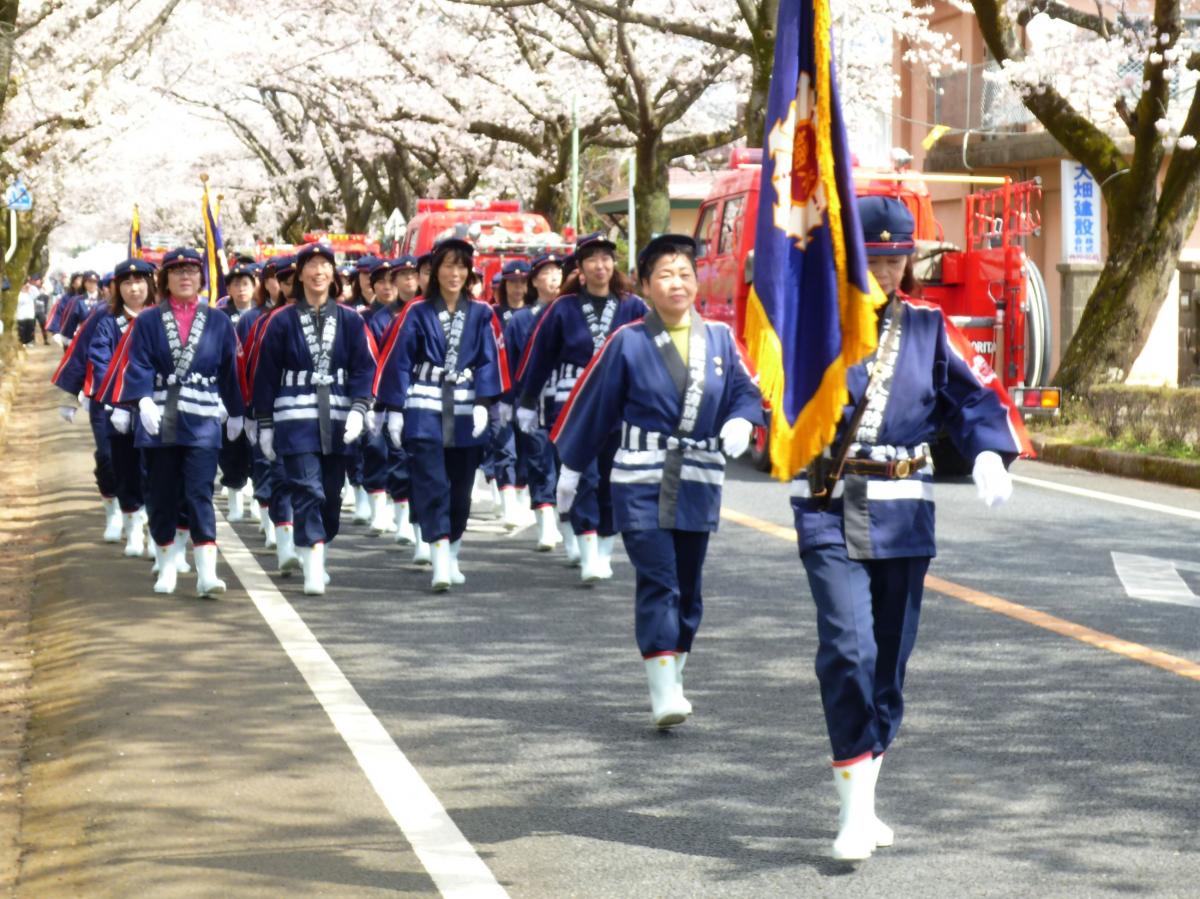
885 235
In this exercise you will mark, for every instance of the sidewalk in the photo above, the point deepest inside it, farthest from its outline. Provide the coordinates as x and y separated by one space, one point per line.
1159 469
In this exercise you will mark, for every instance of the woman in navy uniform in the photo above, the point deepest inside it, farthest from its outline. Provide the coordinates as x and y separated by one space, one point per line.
596 301
312 391
866 538
535 452
179 369
375 444
442 367
676 391
506 468
236 458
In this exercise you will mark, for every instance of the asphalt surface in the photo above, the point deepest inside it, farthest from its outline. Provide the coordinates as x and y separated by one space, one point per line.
175 750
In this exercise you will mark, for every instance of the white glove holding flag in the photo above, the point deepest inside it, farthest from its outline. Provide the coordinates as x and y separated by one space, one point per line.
234 427
266 443
735 437
993 483
527 420
150 415
395 427
354 426
479 420
122 421
568 484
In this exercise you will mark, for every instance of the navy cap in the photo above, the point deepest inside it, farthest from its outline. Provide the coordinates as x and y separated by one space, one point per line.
544 260
380 269
285 266
89 274
133 267
593 243
346 271
454 243
569 265
182 256
365 263
106 279
424 259
309 251
887 226
242 271
516 268
496 278
665 243
405 264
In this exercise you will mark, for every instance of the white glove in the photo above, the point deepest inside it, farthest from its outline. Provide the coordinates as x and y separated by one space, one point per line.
527 420
150 415
735 436
354 426
67 413
479 420
84 402
568 484
992 482
234 427
58 340
374 423
252 430
266 443
224 413
395 427
504 411
122 421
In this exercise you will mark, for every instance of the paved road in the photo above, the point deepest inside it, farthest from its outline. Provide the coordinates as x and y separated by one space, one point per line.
176 751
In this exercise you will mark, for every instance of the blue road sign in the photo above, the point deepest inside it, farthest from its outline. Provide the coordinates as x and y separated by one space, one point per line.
17 197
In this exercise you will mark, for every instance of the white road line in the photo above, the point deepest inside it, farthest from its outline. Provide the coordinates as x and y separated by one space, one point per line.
451 861
1110 497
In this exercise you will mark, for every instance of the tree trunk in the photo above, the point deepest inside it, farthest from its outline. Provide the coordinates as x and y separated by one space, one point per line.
1121 310
651 193
17 268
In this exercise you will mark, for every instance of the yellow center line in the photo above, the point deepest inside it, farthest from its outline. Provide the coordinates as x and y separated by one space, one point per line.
1099 639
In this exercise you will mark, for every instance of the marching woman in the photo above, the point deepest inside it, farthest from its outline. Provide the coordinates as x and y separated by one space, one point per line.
597 300
864 514
312 391
179 368
133 291
676 391
505 463
236 459
376 457
442 367
535 452
64 309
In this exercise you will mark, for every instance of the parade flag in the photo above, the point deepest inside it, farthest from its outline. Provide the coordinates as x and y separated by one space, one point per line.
812 309
135 235
214 251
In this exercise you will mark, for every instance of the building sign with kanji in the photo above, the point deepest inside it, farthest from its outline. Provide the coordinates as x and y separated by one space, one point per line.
1080 214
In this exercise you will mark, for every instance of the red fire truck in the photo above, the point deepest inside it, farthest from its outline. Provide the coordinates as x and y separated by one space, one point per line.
988 287
499 229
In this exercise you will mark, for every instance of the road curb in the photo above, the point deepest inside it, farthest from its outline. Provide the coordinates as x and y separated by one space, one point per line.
12 367
1159 469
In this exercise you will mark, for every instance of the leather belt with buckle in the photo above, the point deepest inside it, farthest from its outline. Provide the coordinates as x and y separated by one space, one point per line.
894 469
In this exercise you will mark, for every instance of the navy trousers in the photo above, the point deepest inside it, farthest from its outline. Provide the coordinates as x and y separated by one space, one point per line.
260 470
502 451
314 485
128 471
867 614
235 461
667 603
181 483
354 465
541 469
106 481
592 509
279 503
399 484
375 462
446 475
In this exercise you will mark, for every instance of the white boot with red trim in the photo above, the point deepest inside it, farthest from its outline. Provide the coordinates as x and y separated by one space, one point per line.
312 560
510 513
591 569
362 506
456 575
666 702
168 574
570 542
548 534
404 527
180 554
884 835
680 661
604 553
854 781
113 522
439 552
382 516
207 582
422 554
286 560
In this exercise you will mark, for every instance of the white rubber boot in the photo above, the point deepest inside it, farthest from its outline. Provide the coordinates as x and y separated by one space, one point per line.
164 557
680 661
456 575
440 557
422 554
855 784
665 705
590 568
510 512
312 560
258 513
570 543
605 545
362 506
143 518
479 488
135 537
267 527
383 518
884 835
404 526
207 582
235 509
113 522
180 555
494 495
525 506
248 491
548 533
286 560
